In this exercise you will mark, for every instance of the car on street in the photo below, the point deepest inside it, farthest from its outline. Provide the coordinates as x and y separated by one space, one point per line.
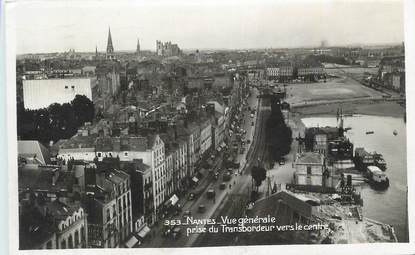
252 115
201 209
252 123
226 177
210 193
187 213
281 161
222 186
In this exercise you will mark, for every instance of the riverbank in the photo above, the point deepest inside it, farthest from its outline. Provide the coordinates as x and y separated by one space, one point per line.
376 108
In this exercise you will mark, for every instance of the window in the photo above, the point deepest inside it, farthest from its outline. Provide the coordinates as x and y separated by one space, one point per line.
108 215
125 153
99 154
309 170
66 87
73 87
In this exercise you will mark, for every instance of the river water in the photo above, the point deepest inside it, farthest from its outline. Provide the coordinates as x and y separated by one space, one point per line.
389 206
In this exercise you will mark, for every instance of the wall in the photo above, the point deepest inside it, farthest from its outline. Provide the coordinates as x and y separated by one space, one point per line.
42 93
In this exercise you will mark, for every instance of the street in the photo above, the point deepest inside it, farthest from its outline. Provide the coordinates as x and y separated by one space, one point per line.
239 183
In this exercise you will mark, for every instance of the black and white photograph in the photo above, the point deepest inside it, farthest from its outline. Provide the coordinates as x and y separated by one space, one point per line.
175 124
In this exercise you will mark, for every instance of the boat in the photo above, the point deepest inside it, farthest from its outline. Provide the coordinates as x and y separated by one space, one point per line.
379 161
363 159
377 178
395 133
369 132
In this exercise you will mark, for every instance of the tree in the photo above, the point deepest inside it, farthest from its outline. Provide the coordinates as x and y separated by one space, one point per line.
259 174
83 108
279 135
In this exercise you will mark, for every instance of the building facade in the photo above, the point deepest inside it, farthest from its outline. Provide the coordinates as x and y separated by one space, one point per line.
205 137
39 94
309 169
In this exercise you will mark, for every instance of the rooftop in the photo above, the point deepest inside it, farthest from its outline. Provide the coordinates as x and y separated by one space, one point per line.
310 158
61 211
45 179
34 229
32 147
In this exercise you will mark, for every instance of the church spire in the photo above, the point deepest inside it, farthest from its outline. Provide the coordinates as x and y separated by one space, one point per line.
110 48
138 45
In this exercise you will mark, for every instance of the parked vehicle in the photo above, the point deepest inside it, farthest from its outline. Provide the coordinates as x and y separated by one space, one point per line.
187 213
201 209
210 193
222 186
226 177
230 164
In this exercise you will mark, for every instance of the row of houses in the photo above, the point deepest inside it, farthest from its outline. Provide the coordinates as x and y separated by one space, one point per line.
77 206
288 72
131 177
391 73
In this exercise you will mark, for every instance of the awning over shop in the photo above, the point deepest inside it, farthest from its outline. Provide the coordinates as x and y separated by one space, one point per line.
195 179
131 242
143 232
174 199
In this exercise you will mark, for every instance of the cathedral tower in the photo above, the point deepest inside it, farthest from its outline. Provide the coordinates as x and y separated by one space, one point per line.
110 48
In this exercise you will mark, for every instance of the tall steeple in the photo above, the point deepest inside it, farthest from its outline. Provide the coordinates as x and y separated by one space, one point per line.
138 45
110 48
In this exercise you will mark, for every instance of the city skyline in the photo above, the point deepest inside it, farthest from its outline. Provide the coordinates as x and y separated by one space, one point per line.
302 25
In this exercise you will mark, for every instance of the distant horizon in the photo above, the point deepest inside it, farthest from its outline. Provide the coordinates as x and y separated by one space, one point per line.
187 50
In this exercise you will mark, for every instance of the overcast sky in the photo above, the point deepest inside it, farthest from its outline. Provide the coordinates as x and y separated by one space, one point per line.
59 25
